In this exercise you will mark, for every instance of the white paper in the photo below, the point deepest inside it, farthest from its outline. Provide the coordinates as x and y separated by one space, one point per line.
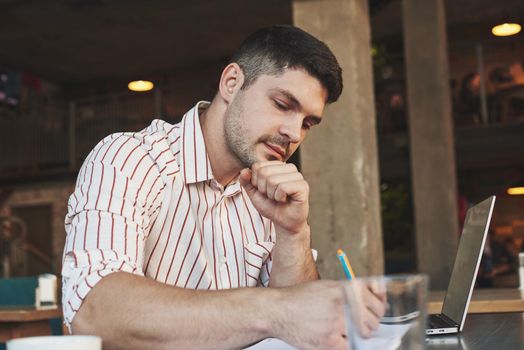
271 344
386 337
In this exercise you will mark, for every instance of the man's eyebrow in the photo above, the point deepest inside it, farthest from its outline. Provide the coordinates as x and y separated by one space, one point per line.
292 99
296 103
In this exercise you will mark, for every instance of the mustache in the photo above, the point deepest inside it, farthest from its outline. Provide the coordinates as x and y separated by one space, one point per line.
280 141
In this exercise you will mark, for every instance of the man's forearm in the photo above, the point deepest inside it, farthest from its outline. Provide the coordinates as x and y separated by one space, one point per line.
133 312
293 261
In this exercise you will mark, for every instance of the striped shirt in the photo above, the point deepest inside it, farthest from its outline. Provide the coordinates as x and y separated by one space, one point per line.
147 203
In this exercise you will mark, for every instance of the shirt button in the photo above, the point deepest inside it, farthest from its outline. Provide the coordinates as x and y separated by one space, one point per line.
223 260
216 186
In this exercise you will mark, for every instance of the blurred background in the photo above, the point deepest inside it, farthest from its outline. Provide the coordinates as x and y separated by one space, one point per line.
65 66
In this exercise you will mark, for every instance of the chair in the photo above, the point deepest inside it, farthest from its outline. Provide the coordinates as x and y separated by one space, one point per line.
18 291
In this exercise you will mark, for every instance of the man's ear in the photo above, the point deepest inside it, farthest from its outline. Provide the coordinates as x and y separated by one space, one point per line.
230 82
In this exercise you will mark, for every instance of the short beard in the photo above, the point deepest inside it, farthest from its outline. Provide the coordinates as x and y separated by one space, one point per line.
237 138
235 134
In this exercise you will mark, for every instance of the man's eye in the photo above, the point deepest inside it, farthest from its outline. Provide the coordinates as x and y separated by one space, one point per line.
281 106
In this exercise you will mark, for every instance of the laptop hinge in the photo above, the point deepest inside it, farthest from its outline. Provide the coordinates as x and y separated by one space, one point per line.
449 320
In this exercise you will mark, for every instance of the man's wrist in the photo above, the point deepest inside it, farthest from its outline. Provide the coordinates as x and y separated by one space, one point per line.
294 246
295 243
292 250
292 237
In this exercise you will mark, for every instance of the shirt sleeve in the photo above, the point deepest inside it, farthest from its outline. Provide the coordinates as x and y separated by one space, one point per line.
116 199
265 270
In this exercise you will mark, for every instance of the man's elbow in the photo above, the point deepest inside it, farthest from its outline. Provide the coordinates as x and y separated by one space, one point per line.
83 321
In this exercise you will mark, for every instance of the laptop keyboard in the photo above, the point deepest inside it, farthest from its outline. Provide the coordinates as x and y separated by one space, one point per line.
436 321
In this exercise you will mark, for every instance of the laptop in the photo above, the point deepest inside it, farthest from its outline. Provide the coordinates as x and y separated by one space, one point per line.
465 269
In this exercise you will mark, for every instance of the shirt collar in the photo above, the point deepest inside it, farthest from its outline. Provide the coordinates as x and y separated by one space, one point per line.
194 160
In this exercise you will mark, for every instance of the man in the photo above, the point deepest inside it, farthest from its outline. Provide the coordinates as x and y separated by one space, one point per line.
167 227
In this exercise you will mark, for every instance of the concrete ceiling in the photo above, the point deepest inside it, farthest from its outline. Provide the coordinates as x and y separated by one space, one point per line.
72 41
89 40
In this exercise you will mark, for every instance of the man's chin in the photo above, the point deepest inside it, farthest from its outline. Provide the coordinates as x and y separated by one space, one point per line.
277 158
248 162
264 157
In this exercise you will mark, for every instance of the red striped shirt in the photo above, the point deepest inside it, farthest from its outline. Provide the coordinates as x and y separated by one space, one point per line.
147 203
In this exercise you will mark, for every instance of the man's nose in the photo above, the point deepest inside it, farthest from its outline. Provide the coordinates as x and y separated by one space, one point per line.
292 129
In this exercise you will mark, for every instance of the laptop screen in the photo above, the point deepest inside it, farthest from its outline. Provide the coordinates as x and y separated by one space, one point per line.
467 261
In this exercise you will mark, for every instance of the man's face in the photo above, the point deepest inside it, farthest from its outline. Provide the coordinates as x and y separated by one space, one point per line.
270 119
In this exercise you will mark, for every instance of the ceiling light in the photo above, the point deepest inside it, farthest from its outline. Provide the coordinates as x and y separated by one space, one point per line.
506 29
140 85
515 190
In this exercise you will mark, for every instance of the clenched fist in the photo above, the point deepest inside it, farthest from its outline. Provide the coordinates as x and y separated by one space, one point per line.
279 192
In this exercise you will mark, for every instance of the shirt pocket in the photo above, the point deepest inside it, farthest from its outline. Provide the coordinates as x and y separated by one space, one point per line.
258 267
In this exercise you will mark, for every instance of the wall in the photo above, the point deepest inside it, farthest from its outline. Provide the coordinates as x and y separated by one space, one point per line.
55 195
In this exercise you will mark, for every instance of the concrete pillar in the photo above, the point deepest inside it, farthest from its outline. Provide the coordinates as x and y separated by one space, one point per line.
431 138
339 158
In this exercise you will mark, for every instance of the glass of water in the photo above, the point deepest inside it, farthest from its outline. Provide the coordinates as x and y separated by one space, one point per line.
404 323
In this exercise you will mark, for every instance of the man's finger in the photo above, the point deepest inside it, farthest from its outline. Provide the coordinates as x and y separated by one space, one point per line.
375 304
262 170
258 165
274 181
294 190
371 322
270 168
379 289
245 182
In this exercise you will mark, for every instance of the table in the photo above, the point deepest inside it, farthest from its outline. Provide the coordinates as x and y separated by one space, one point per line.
503 331
25 321
484 301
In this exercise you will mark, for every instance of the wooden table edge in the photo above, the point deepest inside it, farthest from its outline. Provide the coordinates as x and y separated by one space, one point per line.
25 315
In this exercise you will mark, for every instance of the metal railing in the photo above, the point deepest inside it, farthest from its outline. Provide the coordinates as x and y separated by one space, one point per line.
31 141
55 137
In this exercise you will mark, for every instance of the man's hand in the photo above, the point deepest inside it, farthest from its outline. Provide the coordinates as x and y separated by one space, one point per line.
312 314
367 305
279 192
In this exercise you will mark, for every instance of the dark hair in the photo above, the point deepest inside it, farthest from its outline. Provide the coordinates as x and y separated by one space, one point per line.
272 49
